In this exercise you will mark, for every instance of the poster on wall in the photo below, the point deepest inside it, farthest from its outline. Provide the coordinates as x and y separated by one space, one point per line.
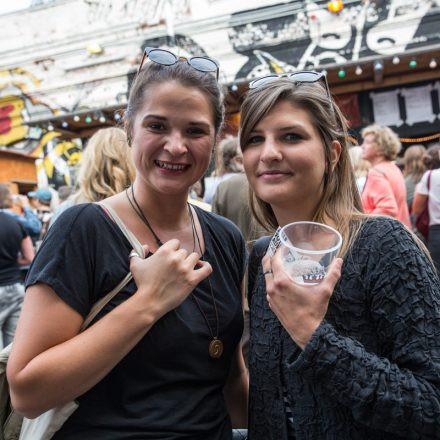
418 104
386 108
437 87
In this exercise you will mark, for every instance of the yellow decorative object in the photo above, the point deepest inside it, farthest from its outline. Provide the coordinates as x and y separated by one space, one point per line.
335 6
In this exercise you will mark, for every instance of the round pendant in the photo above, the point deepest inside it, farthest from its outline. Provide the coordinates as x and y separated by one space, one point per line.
215 348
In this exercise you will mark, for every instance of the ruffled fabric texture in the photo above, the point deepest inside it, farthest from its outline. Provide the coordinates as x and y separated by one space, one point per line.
372 368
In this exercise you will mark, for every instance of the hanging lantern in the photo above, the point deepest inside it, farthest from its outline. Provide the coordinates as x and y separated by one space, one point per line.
335 6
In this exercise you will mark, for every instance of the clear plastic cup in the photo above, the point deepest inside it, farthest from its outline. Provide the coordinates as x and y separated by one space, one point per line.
307 250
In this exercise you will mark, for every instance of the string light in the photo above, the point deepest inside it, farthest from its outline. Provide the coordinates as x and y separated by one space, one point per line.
413 63
64 124
433 63
358 70
88 119
50 127
341 73
76 118
102 119
117 116
396 60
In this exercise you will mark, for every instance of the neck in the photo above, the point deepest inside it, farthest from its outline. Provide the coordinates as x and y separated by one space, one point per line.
168 212
288 215
377 160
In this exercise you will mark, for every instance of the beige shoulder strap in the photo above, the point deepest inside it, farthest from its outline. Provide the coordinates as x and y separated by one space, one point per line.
98 306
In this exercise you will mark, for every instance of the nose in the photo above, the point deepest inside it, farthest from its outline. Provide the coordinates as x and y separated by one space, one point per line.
175 143
270 151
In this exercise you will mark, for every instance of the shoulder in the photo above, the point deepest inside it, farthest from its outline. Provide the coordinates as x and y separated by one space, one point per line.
380 229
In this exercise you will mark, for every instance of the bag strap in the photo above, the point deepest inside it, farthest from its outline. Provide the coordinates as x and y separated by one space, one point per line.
99 305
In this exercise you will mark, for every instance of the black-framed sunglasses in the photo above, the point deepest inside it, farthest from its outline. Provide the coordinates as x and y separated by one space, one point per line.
300 77
167 58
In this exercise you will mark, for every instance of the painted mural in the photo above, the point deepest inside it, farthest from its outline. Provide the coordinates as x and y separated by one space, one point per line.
312 36
18 105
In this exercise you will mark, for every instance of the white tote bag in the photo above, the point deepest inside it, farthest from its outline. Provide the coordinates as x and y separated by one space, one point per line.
47 424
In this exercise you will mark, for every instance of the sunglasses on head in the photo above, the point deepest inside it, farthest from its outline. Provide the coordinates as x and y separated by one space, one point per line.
167 58
304 76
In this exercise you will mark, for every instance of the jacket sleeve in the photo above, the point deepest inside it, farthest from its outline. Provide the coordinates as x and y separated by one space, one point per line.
378 197
397 390
30 222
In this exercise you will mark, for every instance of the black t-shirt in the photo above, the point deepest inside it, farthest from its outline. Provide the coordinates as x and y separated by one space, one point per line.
167 387
12 234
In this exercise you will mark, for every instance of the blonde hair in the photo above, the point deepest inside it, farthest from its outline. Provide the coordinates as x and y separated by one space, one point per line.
226 155
413 162
360 166
340 200
106 166
388 143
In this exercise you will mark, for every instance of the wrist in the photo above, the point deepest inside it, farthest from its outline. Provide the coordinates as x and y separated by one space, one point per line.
302 335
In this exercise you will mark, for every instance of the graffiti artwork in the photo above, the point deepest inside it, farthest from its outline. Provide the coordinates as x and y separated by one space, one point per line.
312 36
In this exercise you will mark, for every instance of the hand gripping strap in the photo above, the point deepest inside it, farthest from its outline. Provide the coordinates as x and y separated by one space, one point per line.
98 306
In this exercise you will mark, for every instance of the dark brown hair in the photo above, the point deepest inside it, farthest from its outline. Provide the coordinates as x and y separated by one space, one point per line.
153 73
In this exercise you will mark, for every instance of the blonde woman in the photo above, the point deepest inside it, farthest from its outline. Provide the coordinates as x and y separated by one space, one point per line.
356 356
360 166
413 169
385 190
106 169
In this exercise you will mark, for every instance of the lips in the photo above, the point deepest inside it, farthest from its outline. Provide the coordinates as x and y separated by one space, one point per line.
171 166
272 173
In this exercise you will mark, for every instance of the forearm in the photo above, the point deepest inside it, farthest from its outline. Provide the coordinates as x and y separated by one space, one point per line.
67 370
380 394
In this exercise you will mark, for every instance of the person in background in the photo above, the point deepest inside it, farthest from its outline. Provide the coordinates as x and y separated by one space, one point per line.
413 170
44 211
16 250
28 218
228 162
430 197
356 356
106 169
360 166
164 358
385 190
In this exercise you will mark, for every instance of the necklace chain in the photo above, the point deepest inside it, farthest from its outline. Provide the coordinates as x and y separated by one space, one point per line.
216 345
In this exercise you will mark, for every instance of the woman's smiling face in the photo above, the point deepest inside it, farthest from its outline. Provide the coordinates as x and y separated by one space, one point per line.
173 137
284 159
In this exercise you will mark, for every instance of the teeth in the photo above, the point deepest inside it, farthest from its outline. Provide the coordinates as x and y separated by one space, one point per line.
168 166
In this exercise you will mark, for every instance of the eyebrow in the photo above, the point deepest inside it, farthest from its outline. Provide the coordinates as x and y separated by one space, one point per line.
289 127
163 118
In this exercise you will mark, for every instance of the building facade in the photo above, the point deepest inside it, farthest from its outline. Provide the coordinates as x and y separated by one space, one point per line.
66 66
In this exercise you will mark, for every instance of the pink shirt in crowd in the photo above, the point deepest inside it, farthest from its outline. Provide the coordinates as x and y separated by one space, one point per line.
385 193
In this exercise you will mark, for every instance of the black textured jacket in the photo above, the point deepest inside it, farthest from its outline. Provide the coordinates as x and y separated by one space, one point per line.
372 368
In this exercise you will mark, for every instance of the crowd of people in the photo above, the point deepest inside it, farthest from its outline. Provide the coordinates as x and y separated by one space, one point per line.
173 355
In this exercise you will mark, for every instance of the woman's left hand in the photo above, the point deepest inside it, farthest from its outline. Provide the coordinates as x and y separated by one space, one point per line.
300 309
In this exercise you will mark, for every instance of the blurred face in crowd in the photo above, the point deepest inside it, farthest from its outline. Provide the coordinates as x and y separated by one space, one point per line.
369 147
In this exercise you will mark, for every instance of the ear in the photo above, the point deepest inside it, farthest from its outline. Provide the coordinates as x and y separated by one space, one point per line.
335 154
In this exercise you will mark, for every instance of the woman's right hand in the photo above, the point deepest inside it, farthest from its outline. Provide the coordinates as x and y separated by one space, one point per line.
168 276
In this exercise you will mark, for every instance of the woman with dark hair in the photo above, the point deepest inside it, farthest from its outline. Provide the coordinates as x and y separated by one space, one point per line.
356 356
16 250
164 359
427 195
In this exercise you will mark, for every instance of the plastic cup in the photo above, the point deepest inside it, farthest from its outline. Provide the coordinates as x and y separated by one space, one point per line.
307 250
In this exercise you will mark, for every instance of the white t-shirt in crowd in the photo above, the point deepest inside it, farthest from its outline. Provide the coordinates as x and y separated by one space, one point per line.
433 196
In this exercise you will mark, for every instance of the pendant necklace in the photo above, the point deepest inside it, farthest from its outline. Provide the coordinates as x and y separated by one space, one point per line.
215 348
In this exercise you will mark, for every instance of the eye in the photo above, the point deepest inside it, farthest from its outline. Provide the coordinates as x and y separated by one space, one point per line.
156 126
292 137
196 131
254 140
